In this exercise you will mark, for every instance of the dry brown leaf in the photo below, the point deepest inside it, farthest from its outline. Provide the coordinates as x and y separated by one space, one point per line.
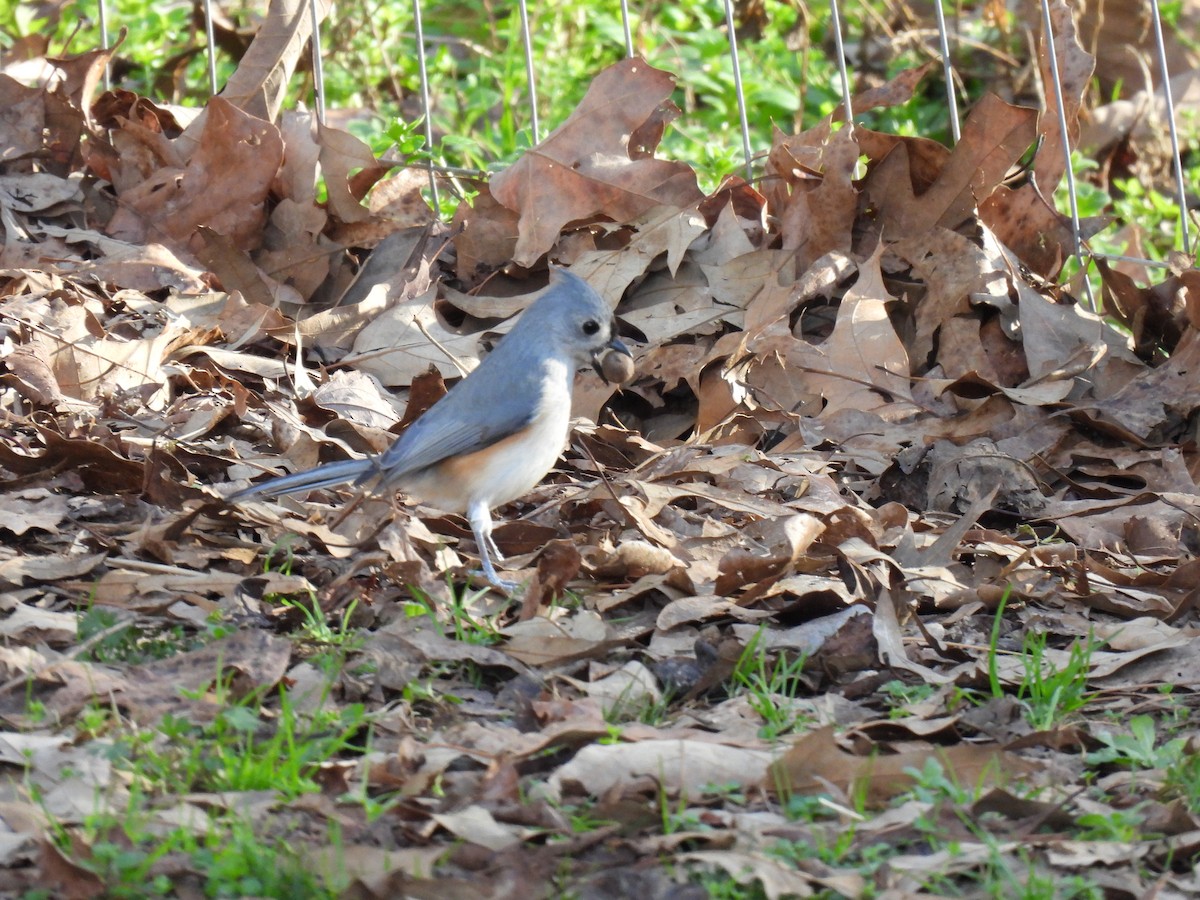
777 879
258 85
665 230
819 216
680 767
25 116
399 344
994 137
953 270
342 155
223 186
1152 403
816 759
799 420
592 166
1075 66
862 366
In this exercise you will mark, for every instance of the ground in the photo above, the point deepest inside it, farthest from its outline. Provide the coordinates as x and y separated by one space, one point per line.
877 579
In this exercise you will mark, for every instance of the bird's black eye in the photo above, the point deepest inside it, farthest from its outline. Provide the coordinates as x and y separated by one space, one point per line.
591 326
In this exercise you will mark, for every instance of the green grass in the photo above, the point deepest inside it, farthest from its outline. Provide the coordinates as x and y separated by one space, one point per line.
459 619
772 684
260 742
329 644
635 706
233 859
247 746
137 642
899 695
1139 749
481 99
934 793
1174 760
1049 695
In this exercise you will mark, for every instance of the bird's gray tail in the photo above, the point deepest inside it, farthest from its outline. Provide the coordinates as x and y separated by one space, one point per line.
321 477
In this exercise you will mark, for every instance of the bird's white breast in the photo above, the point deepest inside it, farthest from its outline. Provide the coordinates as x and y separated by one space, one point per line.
519 463
511 467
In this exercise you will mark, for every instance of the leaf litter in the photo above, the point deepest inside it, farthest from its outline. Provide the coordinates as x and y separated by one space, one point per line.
799 598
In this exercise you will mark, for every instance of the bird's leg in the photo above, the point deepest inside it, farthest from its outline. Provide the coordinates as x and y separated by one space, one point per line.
492 548
480 518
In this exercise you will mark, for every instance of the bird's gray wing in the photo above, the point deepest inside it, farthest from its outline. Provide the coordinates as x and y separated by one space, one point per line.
487 406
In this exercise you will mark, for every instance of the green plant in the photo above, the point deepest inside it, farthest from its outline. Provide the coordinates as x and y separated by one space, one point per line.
771 686
457 619
678 818
429 690
900 695
613 734
728 793
1123 825
1139 749
993 668
582 818
683 817
259 742
1008 876
334 643
232 857
806 807
998 879
1050 694
134 644
283 549
638 701
35 709
1182 779
480 109
933 784
95 719
162 55
842 849
245 747
723 886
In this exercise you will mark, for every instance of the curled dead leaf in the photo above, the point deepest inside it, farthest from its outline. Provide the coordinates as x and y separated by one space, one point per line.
633 559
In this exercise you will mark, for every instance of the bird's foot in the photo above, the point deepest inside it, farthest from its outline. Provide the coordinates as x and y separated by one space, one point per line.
488 571
502 584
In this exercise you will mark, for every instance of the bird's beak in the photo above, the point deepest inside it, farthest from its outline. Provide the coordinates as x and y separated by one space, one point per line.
619 345
615 344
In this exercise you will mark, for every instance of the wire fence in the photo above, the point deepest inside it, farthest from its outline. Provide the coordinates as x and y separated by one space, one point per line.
947 40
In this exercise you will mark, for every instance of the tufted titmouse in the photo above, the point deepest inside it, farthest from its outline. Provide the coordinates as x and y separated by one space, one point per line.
499 430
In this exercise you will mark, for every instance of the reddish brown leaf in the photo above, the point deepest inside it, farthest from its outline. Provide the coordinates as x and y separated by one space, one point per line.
589 167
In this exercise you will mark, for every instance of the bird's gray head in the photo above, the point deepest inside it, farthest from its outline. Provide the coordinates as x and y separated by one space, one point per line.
573 318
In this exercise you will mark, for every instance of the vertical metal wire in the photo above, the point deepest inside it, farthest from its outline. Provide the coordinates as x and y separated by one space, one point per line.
841 60
948 70
737 86
533 111
426 106
212 48
1060 108
318 71
1176 160
102 11
625 25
